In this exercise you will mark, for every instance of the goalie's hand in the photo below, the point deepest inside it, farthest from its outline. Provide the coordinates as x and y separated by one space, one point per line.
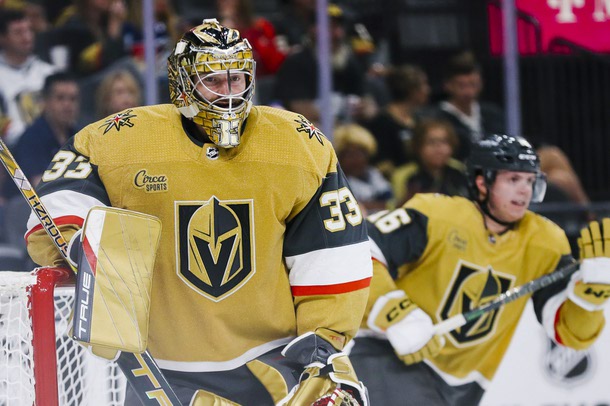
328 377
590 286
408 328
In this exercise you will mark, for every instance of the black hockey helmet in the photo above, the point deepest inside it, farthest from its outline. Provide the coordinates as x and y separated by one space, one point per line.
503 152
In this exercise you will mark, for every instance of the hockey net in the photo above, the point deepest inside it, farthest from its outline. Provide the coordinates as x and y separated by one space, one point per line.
39 363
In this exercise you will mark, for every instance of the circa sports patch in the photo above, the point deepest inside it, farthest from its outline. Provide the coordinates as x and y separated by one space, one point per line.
119 120
150 182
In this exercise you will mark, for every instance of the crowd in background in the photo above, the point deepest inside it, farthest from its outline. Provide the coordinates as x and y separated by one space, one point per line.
65 64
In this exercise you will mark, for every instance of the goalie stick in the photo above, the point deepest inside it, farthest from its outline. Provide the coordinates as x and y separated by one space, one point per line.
140 369
510 295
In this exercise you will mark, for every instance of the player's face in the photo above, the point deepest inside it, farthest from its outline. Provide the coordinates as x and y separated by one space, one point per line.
354 160
61 106
19 37
122 96
510 195
218 85
464 89
422 94
436 149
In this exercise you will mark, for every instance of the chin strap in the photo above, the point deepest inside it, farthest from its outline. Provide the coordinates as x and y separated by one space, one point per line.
483 204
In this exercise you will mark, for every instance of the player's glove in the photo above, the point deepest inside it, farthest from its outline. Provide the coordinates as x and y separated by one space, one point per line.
328 377
408 328
589 288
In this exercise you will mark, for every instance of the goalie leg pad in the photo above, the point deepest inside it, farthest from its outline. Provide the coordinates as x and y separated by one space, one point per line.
114 280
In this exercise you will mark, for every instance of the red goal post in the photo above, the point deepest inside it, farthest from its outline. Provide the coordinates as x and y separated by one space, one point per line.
39 363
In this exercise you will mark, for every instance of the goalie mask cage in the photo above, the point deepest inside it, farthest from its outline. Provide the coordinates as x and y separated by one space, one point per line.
39 363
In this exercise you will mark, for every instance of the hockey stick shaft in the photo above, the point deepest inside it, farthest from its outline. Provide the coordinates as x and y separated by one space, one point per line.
33 200
510 295
135 367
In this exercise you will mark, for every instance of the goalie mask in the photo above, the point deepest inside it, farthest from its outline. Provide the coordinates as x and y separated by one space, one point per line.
503 152
211 80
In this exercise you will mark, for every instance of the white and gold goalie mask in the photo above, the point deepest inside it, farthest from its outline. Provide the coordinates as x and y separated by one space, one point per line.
211 80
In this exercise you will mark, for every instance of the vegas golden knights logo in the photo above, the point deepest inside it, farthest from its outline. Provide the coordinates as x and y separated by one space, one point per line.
215 245
473 287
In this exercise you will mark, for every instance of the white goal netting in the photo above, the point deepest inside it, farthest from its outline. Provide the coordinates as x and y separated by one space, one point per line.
82 379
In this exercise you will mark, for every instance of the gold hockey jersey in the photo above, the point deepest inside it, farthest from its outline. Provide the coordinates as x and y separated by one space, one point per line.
260 243
438 250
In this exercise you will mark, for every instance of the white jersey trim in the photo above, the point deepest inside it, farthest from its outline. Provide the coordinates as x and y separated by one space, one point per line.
209 366
331 266
474 376
549 311
64 203
377 254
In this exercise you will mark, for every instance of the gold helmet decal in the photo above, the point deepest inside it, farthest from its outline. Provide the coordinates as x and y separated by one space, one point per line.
215 246
471 288
211 49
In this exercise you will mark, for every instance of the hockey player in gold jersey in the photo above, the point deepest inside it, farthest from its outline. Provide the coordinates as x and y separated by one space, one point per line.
438 256
263 250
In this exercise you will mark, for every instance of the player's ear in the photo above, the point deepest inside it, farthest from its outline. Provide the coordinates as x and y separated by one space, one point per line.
479 180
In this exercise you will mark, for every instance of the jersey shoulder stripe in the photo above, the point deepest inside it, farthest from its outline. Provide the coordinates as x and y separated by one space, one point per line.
331 271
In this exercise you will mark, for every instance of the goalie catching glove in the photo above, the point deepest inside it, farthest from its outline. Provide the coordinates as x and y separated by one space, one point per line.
589 288
328 378
407 327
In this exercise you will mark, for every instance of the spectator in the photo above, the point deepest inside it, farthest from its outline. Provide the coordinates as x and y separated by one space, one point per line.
393 126
37 147
36 14
21 74
559 172
57 123
434 171
293 22
563 186
296 86
257 30
355 146
55 8
166 32
472 118
119 90
92 33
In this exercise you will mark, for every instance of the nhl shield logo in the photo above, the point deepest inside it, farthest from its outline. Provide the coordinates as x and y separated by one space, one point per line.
472 287
566 367
212 153
215 245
